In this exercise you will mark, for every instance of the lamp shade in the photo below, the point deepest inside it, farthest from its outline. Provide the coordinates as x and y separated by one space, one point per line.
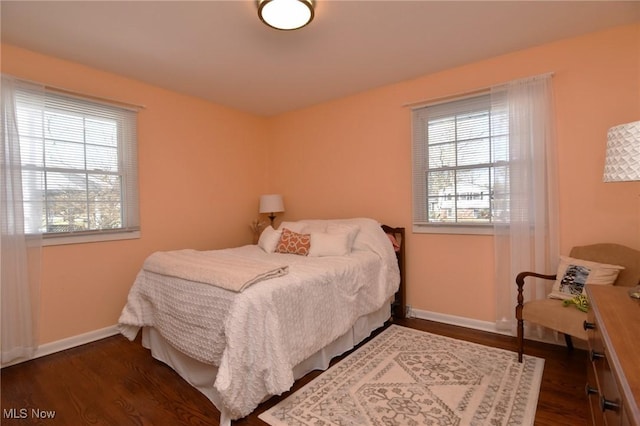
623 153
271 203
285 14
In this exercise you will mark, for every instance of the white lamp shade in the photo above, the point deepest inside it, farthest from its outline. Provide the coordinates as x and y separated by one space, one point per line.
623 153
271 203
285 14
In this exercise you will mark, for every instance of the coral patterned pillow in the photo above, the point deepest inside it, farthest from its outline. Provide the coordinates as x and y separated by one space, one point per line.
294 243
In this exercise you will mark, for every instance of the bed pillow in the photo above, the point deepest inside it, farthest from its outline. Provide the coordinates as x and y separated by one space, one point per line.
314 225
330 244
370 237
269 239
573 274
294 243
351 231
298 227
368 230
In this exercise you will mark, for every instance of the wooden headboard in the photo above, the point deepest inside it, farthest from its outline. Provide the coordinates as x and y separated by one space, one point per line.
398 307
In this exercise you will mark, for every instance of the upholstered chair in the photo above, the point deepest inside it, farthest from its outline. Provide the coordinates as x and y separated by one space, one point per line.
553 313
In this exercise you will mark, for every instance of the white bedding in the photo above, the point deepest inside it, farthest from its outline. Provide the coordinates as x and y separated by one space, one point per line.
229 269
256 337
202 376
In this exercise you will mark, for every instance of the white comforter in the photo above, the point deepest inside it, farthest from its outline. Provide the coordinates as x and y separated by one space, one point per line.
256 337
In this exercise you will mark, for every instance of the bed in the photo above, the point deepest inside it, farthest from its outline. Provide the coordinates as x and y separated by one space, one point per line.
243 336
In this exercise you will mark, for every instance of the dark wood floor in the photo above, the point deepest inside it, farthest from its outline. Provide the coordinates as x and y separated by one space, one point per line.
116 382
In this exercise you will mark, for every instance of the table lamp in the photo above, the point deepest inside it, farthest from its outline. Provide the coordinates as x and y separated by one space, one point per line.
271 203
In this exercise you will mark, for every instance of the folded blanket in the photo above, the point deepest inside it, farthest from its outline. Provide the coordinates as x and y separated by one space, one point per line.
219 268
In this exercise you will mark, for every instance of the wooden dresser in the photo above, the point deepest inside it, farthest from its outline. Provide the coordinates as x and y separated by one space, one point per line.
613 380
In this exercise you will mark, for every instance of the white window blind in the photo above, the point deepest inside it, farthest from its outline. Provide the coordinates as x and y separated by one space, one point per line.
456 148
79 164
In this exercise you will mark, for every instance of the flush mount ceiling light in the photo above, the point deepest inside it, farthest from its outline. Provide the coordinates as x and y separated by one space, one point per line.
285 14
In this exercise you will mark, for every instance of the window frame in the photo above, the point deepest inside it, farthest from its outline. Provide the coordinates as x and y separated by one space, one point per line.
86 109
450 109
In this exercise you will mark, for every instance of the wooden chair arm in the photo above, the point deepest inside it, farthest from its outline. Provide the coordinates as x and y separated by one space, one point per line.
522 275
520 283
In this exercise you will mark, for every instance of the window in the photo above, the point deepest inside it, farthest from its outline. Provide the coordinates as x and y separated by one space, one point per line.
79 165
458 148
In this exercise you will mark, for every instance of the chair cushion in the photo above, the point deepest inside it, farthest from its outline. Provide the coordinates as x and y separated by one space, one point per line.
551 313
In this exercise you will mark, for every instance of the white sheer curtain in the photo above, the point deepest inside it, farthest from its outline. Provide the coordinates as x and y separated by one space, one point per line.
525 195
19 253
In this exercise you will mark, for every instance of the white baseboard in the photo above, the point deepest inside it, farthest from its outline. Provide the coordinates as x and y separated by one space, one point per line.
485 326
69 342
92 336
456 320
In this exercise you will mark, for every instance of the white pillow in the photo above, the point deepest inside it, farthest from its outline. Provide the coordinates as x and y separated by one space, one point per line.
297 227
329 244
369 235
269 239
314 225
350 230
573 274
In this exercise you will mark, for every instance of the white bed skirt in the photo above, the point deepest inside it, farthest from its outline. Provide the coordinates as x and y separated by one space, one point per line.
202 376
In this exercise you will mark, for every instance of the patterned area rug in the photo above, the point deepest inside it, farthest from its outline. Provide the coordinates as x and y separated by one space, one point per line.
408 377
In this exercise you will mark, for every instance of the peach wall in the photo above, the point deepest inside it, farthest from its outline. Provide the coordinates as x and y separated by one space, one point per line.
203 166
352 157
202 169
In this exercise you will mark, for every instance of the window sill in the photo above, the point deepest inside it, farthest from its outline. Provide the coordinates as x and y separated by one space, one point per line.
453 229
90 238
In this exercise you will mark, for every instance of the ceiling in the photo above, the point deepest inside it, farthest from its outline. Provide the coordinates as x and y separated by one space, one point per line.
220 51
